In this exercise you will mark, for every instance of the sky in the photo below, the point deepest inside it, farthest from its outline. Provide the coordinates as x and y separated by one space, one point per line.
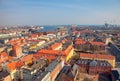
59 12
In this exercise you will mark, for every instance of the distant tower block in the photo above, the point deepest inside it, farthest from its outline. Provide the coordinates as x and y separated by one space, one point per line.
17 50
106 25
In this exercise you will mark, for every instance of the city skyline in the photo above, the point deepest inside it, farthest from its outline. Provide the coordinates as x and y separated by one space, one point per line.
52 12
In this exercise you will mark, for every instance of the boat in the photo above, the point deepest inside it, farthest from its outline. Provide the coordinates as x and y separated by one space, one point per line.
41 27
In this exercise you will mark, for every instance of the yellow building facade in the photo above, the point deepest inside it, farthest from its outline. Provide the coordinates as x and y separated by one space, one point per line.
68 56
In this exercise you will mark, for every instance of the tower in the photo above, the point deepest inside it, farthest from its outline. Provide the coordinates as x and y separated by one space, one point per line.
17 50
106 25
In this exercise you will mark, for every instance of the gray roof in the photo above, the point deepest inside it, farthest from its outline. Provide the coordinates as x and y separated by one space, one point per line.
40 76
3 74
73 71
70 71
52 65
93 63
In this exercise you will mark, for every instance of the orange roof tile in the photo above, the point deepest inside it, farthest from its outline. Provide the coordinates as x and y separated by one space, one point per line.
16 46
12 66
40 55
3 54
68 49
80 42
26 58
44 51
33 35
98 56
4 57
55 45
98 43
37 56
19 64
34 40
51 54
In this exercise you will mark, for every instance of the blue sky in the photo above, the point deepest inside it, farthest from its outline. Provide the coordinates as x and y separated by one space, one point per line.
54 12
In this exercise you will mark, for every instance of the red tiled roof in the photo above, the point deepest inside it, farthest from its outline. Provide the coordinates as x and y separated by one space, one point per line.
4 57
19 64
55 45
34 40
51 54
41 33
98 43
26 58
63 52
33 35
18 41
37 56
80 42
12 66
46 51
98 56
16 46
74 31
68 49
40 55
3 54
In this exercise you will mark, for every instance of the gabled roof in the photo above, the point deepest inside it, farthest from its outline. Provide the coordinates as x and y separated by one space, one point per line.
12 66
70 71
47 51
33 35
26 58
53 65
98 43
4 57
73 71
4 54
68 49
92 62
3 74
55 45
57 52
80 42
98 56
34 40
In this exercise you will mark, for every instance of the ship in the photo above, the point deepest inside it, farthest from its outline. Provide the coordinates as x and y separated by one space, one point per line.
41 27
